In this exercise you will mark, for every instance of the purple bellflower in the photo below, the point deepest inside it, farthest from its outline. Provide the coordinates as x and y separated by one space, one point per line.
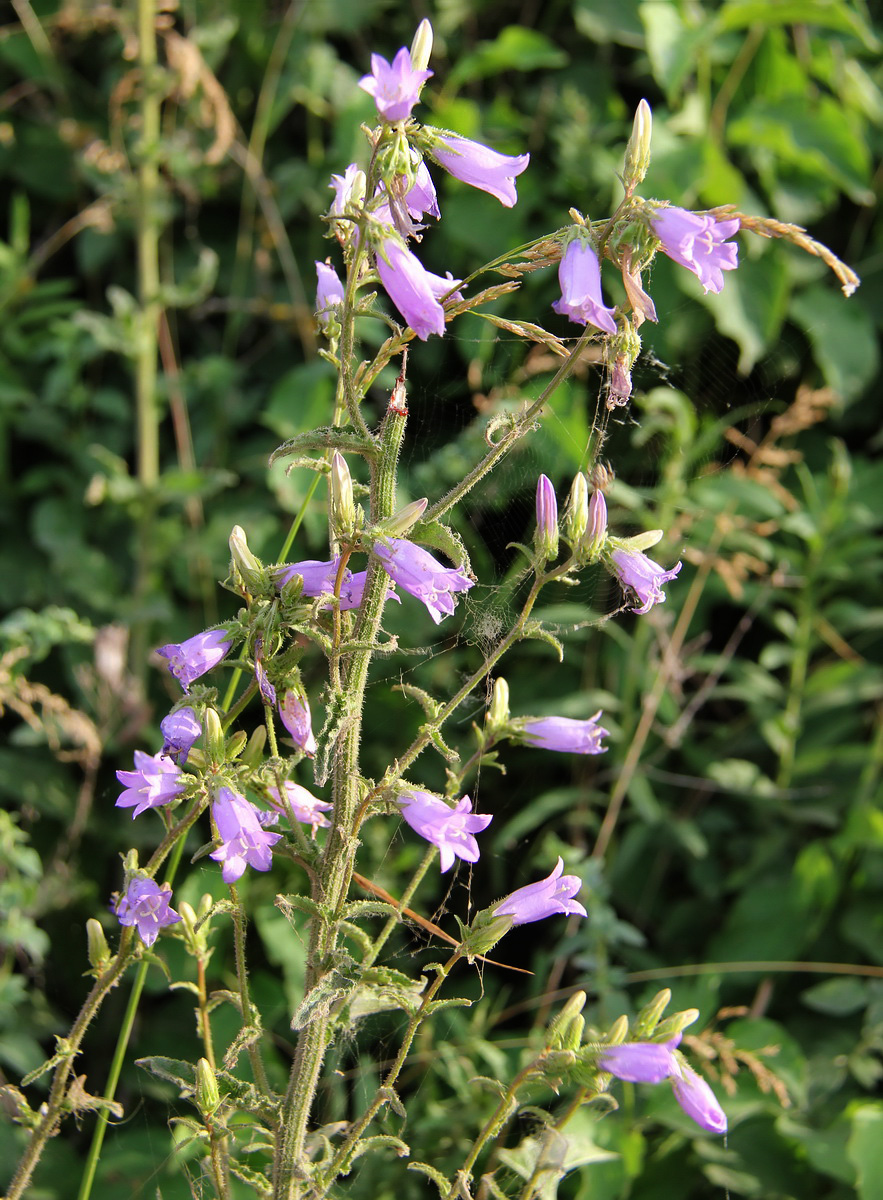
329 293
579 274
317 577
307 808
698 243
451 829
640 1062
698 1100
548 896
566 734
394 86
188 660
180 729
641 575
294 712
349 188
154 782
415 570
412 289
353 591
146 905
479 166
244 841
421 197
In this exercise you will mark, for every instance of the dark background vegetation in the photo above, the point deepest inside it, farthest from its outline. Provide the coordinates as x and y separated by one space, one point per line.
751 824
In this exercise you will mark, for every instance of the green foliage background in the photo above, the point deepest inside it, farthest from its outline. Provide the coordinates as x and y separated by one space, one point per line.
745 715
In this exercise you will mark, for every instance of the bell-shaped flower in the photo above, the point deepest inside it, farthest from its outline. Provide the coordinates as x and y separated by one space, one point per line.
317 577
154 782
566 735
642 576
579 274
329 293
697 1099
306 807
395 86
554 894
640 1062
478 165
698 242
413 290
451 829
180 729
244 841
353 591
421 575
294 711
146 905
188 660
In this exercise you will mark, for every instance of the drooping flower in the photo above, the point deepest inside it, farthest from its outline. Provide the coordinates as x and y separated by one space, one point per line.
154 782
329 293
640 1062
146 905
641 575
394 86
697 1099
349 189
192 658
421 197
698 242
579 274
548 896
566 734
412 289
317 577
244 841
306 807
180 729
421 575
451 829
294 712
546 539
478 165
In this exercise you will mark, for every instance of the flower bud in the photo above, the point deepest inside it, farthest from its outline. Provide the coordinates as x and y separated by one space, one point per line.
343 509
637 152
245 568
546 536
208 1098
254 751
421 47
97 947
576 516
498 713
236 744
641 541
675 1024
214 736
649 1016
400 522
565 1032
596 530
618 1032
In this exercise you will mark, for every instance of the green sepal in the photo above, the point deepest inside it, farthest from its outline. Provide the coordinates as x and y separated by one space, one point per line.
441 1182
442 537
537 632
329 437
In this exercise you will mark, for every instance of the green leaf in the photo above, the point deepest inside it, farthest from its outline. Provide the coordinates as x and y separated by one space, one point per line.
743 14
843 338
865 1148
753 307
837 997
514 49
671 44
607 21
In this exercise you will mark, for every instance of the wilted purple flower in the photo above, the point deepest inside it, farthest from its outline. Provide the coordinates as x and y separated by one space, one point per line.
566 734
395 87
642 576
412 289
698 242
479 166
146 905
317 577
295 714
451 829
349 188
268 692
188 660
579 274
154 782
551 895
180 729
698 1100
415 570
329 293
640 1062
244 841
547 518
306 807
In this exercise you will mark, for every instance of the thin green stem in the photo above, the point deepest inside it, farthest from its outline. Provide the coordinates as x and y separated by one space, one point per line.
491 1129
403 902
239 927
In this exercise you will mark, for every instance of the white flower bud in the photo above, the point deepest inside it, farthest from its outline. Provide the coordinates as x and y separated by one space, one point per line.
421 47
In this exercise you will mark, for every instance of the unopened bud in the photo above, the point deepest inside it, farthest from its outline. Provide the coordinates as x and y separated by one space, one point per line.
641 541
565 1032
400 522
214 736
596 530
649 1016
96 944
498 712
254 751
236 744
546 536
208 1098
618 1032
576 517
243 559
637 152
675 1024
343 509
421 47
